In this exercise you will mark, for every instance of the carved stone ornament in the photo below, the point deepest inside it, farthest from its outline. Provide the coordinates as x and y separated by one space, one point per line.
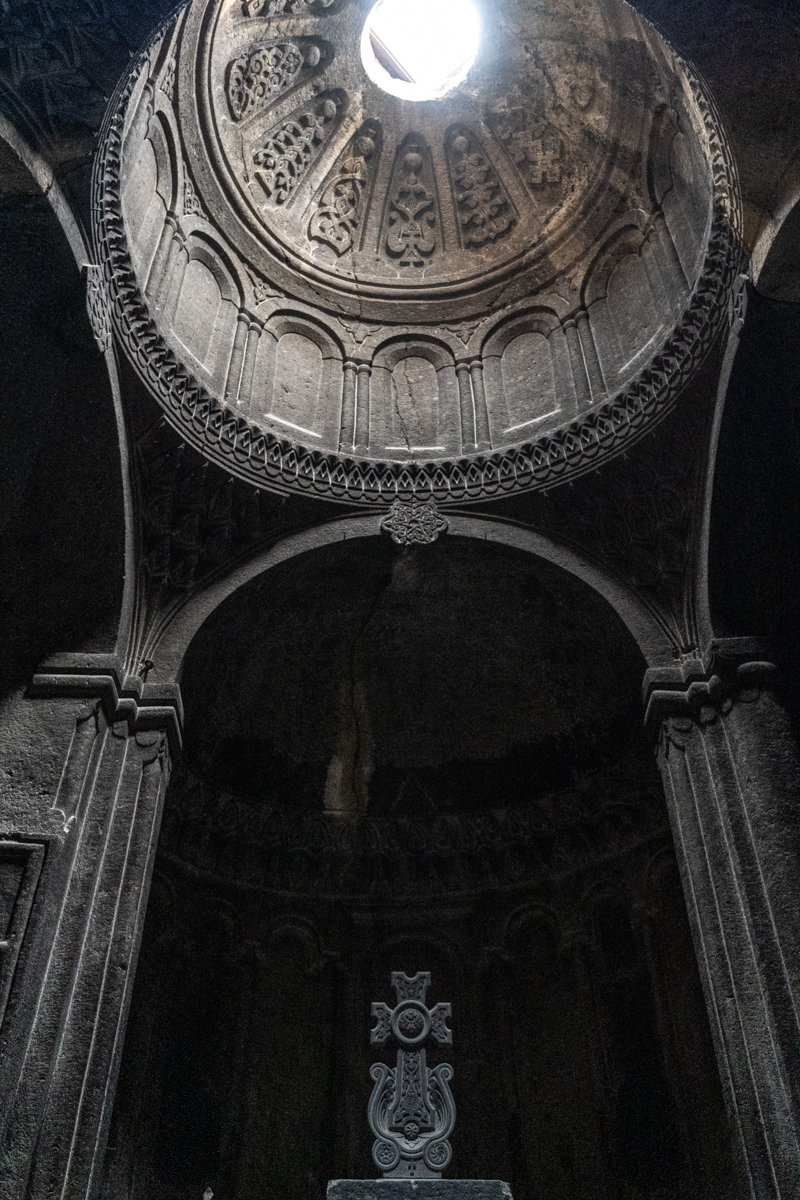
191 201
411 1111
289 150
266 70
538 270
97 307
414 522
279 8
411 237
341 204
484 209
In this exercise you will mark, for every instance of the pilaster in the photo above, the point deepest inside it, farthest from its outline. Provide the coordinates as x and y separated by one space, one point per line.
88 763
731 775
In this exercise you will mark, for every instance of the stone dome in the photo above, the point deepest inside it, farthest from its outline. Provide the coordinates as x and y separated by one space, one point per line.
336 289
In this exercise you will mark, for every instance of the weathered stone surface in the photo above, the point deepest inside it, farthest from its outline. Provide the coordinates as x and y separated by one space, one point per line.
363 297
418 1189
545 882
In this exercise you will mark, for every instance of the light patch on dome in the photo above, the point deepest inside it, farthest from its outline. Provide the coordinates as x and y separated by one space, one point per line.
420 49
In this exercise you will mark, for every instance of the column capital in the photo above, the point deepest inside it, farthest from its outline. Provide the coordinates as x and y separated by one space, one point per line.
706 678
124 697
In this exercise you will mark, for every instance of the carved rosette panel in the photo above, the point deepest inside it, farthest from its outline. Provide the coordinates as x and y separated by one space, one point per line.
484 209
266 70
335 291
339 211
282 158
411 227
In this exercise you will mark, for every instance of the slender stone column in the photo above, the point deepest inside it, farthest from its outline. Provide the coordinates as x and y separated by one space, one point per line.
593 368
732 779
237 358
249 367
362 409
482 434
347 428
101 760
580 375
467 409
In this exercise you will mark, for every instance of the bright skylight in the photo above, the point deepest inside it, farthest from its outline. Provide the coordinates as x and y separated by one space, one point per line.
420 49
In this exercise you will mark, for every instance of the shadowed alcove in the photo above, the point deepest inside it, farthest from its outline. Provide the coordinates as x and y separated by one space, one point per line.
417 759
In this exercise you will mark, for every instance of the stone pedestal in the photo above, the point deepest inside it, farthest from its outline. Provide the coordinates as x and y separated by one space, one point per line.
732 780
418 1189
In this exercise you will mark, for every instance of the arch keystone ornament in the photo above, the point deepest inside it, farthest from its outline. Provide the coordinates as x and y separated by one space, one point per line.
414 522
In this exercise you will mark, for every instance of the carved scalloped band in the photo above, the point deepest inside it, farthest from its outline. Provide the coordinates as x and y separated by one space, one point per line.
267 461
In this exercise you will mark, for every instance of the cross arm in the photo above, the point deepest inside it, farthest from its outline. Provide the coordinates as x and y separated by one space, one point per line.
382 1029
440 1014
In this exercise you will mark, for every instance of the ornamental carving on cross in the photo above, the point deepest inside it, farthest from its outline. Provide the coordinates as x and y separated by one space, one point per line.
411 1109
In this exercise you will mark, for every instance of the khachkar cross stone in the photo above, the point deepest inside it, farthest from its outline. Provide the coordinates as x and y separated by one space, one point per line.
411 1110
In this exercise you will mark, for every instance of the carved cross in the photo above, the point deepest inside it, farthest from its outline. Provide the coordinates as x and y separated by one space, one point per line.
542 156
411 1110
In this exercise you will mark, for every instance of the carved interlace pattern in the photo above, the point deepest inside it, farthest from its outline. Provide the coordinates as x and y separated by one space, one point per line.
97 307
290 149
414 522
411 1110
263 290
263 72
411 236
483 207
340 206
191 201
276 8
268 461
168 82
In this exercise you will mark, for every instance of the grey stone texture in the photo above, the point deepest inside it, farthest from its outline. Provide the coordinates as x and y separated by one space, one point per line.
418 1189
332 753
360 298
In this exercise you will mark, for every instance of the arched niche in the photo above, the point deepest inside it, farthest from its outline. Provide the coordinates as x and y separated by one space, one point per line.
206 302
628 303
414 400
149 193
686 204
297 370
527 373
62 530
393 761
